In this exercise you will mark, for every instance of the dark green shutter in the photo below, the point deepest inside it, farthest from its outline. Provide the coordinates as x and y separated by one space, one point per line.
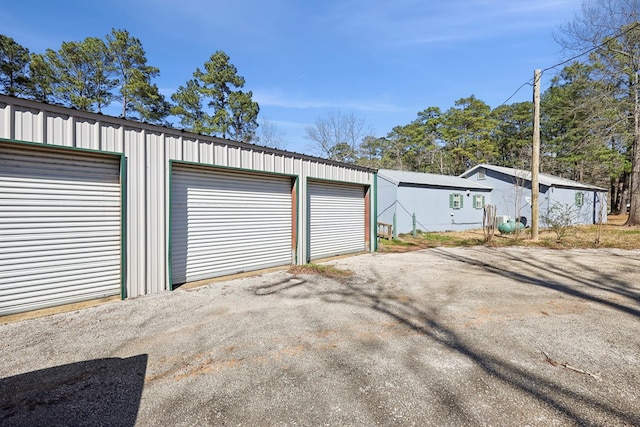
451 201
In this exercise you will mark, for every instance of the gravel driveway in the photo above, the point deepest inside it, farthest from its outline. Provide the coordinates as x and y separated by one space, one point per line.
465 336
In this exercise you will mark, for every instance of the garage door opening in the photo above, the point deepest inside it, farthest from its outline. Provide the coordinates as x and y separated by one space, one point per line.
227 221
60 227
337 219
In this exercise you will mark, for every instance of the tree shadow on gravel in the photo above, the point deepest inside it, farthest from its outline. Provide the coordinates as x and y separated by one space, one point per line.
575 406
556 275
103 392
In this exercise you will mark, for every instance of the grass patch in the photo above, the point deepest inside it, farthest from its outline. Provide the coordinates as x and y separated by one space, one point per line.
437 237
325 270
396 242
613 234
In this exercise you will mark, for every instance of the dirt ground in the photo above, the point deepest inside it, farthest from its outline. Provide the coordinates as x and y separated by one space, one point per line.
441 336
613 234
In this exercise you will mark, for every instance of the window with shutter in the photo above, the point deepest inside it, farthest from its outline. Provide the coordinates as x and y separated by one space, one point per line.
455 201
478 201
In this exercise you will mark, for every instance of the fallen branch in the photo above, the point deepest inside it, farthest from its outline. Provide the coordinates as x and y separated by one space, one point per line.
550 360
566 365
571 368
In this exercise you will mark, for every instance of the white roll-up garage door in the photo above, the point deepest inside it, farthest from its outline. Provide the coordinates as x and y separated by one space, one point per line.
60 234
226 222
336 219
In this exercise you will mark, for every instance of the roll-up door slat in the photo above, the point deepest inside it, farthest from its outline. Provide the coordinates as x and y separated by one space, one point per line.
336 219
60 227
225 222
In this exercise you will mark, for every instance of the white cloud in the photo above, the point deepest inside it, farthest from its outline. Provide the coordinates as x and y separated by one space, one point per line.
412 22
278 99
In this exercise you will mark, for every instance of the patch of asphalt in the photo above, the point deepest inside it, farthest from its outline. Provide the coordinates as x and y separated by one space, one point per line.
465 336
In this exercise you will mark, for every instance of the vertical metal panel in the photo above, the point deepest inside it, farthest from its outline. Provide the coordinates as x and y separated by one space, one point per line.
59 227
155 209
336 219
111 137
28 124
235 160
85 133
225 222
205 154
246 159
58 129
261 161
172 147
278 163
189 150
6 113
220 157
134 148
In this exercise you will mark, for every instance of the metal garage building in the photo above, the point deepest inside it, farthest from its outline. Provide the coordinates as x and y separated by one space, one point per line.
93 206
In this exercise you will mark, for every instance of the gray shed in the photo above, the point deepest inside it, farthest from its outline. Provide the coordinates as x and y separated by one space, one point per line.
586 204
93 206
439 202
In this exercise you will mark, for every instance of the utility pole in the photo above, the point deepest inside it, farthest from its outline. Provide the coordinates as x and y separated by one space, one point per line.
535 156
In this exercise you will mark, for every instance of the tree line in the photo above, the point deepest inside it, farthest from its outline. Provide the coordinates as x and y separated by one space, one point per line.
590 113
590 118
94 73
471 132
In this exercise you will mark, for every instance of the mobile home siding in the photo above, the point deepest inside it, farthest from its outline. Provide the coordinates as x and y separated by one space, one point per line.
149 151
387 197
512 194
430 198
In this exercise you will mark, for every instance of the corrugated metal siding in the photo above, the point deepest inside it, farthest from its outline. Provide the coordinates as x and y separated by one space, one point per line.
147 173
225 222
59 228
336 219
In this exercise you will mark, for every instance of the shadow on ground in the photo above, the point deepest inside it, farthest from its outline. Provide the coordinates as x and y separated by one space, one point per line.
93 392
575 405
567 273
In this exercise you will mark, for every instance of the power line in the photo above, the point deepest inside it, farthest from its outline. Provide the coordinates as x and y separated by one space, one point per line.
517 90
573 58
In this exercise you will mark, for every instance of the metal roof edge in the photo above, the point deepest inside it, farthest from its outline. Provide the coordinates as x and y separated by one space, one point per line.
395 180
31 104
547 179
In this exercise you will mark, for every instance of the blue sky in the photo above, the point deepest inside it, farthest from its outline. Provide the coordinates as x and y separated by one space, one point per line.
382 61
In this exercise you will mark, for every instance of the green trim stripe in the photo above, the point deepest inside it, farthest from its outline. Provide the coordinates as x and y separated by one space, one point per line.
297 184
168 228
123 226
374 228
